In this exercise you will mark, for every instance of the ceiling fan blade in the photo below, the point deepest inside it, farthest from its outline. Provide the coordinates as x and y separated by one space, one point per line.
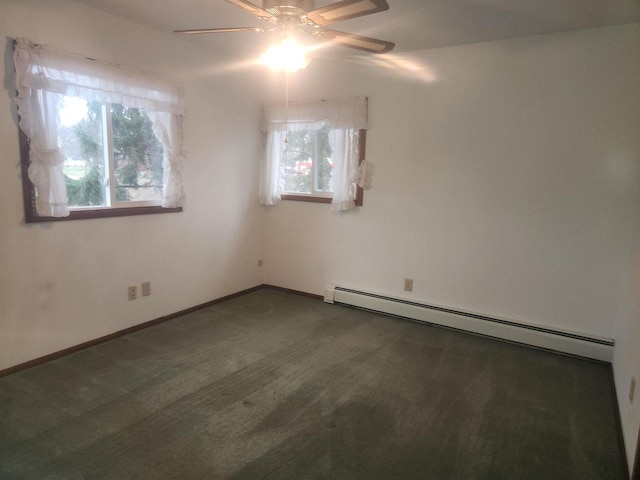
220 30
346 9
372 45
251 8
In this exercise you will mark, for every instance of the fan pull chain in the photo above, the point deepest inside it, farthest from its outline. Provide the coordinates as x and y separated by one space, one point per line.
286 108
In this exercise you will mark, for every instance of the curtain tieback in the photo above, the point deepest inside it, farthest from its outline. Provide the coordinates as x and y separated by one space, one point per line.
46 157
364 175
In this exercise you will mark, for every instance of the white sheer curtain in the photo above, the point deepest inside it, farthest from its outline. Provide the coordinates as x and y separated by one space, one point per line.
44 75
270 188
45 170
345 168
168 129
345 117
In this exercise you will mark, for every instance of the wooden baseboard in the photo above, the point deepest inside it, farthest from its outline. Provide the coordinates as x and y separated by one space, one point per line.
120 333
296 292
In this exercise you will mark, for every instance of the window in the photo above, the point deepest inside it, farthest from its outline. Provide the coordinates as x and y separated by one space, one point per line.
306 165
111 157
97 140
315 152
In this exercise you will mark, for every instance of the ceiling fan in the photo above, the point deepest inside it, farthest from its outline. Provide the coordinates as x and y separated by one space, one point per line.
288 16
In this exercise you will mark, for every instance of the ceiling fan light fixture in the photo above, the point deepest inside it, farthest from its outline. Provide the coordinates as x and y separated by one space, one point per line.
291 17
287 55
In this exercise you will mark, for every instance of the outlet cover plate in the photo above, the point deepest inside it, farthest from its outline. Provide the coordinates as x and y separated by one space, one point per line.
408 285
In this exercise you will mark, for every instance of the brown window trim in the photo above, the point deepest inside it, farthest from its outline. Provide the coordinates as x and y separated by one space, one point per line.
29 198
305 198
362 141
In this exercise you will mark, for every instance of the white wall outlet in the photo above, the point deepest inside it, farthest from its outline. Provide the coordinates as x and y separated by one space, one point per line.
146 289
632 389
408 285
133 292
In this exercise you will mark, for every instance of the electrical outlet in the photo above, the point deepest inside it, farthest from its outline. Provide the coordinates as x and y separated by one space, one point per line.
632 389
260 263
133 293
146 289
408 285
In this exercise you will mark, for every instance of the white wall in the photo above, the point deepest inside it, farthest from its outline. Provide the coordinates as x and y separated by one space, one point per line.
66 283
507 183
626 360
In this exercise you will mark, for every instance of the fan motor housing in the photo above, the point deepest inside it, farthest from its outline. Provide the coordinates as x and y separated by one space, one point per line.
282 7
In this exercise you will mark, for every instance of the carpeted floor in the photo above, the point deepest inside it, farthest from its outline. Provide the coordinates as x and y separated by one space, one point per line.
278 386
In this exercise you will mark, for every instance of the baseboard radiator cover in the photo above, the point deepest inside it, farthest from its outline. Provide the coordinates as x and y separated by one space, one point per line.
573 343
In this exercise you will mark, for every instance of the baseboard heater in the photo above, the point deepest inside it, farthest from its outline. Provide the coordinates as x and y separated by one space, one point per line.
563 341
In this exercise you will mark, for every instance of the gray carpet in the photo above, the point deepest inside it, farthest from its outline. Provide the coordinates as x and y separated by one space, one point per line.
278 386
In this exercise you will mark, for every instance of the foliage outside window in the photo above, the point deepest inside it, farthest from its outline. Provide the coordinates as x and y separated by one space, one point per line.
307 164
111 155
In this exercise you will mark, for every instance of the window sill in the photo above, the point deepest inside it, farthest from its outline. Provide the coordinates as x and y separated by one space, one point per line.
304 198
102 213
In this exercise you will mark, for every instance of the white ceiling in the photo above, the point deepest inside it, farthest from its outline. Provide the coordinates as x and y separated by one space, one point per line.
411 24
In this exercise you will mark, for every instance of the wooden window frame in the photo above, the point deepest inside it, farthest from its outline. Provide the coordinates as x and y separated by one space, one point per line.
29 198
362 141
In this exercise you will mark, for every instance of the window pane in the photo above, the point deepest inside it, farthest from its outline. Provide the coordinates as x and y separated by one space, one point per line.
137 156
82 145
324 162
296 166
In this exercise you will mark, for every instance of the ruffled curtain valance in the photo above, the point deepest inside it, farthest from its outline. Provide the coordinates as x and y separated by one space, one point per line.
341 113
44 68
